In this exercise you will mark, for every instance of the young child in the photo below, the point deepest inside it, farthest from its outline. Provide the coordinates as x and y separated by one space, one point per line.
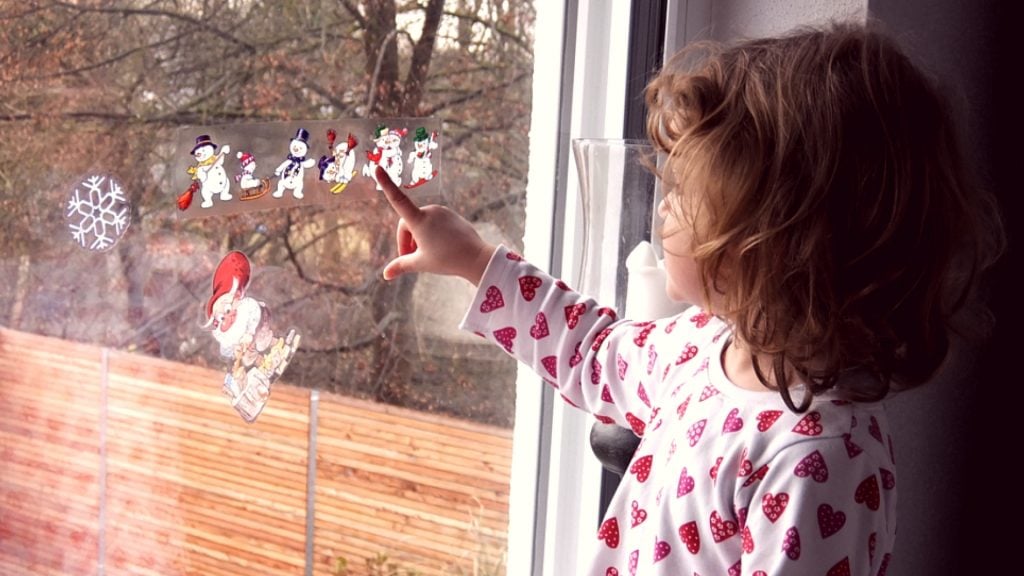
819 215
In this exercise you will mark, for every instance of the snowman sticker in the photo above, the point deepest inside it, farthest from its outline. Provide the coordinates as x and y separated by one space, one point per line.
208 175
252 187
292 171
339 168
420 158
387 152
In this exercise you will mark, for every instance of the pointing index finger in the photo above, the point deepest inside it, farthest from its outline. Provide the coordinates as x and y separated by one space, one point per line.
402 204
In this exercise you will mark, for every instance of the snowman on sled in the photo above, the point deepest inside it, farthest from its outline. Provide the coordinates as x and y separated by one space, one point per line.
251 186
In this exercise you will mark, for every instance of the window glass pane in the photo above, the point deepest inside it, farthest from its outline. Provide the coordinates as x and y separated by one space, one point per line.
387 439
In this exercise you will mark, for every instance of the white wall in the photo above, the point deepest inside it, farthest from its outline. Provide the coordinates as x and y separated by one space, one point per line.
735 19
755 18
947 430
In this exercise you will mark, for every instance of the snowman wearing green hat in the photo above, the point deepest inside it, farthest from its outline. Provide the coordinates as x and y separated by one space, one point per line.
420 158
387 153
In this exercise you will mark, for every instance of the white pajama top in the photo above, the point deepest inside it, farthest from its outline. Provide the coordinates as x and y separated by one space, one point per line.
725 480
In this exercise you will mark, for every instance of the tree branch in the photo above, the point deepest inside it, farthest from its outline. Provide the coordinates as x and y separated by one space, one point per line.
326 94
505 33
163 14
422 52
497 204
475 94
110 60
365 342
354 11
300 271
323 235
380 46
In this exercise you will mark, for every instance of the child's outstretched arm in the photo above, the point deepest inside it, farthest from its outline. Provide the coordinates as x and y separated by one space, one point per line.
608 367
433 239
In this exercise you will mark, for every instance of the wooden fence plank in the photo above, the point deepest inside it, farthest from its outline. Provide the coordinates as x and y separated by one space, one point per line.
49 460
192 489
400 483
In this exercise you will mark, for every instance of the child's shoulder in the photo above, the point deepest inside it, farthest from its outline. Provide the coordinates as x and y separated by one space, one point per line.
829 429
693 324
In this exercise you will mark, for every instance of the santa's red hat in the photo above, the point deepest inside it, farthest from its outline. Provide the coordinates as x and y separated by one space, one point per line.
232 274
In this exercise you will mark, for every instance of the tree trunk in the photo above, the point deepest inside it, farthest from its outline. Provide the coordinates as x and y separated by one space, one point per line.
134 267
390 358
380 44
421 55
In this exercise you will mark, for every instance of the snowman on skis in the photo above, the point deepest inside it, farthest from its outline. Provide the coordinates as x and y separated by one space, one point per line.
420 158
208 174
292 170
387 152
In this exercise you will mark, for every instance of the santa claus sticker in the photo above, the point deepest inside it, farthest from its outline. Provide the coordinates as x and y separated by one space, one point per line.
247 167
240 324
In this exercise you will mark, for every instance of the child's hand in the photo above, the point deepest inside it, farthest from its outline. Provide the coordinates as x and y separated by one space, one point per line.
433 239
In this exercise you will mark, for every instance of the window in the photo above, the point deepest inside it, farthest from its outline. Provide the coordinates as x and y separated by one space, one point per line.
387 441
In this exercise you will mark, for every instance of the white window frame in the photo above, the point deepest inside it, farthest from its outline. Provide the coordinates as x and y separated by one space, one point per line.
580 47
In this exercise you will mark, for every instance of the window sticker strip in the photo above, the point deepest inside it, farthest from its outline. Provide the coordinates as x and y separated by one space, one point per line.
230 169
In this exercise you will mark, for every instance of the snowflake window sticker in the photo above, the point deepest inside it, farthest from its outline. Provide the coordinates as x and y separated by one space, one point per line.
98 213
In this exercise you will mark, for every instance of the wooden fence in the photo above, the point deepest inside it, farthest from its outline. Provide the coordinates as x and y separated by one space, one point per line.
139 466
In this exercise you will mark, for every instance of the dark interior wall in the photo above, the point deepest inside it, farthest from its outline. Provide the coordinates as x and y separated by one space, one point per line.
960 504
958 441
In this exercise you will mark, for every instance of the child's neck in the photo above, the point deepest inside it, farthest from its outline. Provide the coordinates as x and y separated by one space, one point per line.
738 364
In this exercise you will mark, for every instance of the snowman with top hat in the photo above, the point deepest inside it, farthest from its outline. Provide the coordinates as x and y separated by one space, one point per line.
208 175
292 171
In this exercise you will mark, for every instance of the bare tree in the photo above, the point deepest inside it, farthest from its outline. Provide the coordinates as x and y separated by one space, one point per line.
103 85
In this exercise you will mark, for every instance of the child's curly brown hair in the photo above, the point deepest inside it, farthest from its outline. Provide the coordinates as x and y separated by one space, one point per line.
835 221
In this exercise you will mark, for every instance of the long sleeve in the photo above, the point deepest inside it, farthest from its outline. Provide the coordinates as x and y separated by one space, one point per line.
598 363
